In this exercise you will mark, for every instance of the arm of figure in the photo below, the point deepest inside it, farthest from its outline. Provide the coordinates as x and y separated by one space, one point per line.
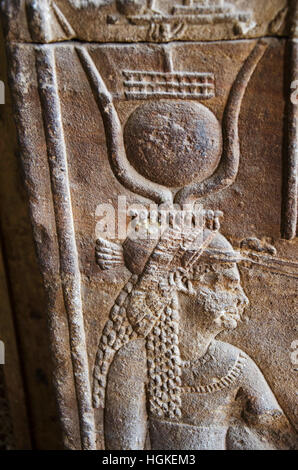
267 425
125 418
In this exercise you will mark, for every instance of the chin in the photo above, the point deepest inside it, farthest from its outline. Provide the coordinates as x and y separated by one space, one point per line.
231 325
227 322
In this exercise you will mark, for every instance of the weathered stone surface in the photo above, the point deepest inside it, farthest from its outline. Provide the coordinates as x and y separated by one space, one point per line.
185 339
144 20
23 318
173 143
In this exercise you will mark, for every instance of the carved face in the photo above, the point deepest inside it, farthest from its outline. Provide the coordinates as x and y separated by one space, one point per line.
218 296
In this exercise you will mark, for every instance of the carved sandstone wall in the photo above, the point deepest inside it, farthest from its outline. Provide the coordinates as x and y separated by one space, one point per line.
184 339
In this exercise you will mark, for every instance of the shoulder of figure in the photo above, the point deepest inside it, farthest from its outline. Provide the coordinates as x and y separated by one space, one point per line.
253 381
227 350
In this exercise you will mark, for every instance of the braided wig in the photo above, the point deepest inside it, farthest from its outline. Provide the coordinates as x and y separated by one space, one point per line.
147 307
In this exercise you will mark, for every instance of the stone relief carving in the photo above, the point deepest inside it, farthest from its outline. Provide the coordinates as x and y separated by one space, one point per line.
159 359
145 85
163 377
158 354
193 180
146 20
184 290
172 24
290 209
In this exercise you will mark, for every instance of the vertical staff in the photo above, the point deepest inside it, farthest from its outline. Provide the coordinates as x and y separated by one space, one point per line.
289 227
69 263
